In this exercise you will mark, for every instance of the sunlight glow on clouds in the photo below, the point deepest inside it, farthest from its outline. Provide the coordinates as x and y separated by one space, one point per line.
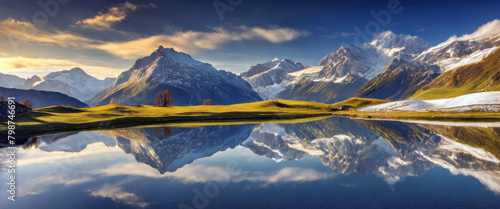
26 67
112 15
24 62
186 41
194 41
26 31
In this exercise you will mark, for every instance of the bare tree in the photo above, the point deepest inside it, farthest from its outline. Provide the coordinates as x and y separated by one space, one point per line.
164 99
27 103
163 131
112 101
207 101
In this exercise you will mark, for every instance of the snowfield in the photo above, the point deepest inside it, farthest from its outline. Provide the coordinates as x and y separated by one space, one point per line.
455 62
484 101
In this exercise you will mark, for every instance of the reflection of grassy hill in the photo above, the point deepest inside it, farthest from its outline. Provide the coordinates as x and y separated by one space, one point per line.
403 137
487 138
57 119
478 77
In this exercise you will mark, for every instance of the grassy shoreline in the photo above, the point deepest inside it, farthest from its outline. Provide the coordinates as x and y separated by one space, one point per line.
61 119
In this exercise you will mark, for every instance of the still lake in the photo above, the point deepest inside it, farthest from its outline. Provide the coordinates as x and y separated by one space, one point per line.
329 163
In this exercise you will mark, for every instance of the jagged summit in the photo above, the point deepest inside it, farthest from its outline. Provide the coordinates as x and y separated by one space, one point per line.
464 50
190 80
174 56
268 78
393 44
370 59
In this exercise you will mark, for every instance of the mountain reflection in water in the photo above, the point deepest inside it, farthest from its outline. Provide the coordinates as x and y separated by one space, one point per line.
390 150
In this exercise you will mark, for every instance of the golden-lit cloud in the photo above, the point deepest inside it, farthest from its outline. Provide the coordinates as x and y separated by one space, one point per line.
26 67
186 41
194 41
10 63
27 32
112 15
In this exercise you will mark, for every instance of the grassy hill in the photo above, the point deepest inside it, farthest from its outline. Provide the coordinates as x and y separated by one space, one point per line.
57 119
477 77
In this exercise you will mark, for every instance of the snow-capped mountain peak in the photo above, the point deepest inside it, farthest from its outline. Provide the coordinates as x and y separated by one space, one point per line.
75 83
176 57
464 50
393 45
189 80
370 59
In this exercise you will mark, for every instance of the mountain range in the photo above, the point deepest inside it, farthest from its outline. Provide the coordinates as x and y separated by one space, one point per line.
41 98
76 85
393 67
390 66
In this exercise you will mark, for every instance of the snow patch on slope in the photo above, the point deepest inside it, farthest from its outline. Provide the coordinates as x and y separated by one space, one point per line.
454 62
462 103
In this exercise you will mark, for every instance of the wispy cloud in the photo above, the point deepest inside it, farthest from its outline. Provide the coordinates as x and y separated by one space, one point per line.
117 194
26 31
421 30
489 29
186 41
26 67
7 63
194 41
113 15
338 34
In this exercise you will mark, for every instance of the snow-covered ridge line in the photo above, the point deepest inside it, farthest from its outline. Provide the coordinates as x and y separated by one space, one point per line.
463 103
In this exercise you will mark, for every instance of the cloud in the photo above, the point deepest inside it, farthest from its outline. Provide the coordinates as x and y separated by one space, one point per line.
186 41
421 29
113 15
489 29
24 62
117 194
195 41
338 34
26 67
26 31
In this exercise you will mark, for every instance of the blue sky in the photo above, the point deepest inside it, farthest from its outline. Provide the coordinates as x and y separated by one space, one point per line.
106 37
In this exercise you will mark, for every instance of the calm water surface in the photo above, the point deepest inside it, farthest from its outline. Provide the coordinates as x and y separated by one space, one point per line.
330 163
